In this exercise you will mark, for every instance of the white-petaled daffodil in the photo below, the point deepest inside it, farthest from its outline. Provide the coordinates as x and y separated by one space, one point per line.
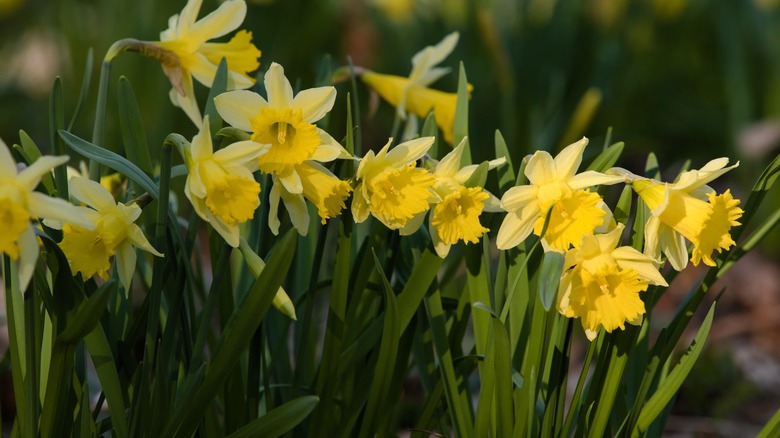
187 37
687 209
391 187
412 95
601 282
554 185
20 203
114 233
220 184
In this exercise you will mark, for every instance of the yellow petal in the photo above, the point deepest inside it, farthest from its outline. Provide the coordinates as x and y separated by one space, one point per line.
226 18
277 87
238 107
540 168
314 102
91 193
568 160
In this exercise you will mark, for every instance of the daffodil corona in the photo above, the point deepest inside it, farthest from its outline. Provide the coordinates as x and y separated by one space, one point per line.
412 94
187 39
688 209
20 203
115 233
220 184
391 187
557 190
601 282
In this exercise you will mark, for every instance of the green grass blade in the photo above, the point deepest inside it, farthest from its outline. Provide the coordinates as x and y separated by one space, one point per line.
218 87
506 173
669 387
279 420
86 81
57 122
88 314
416 286
607 158
132 128
461 126
771 428
550 277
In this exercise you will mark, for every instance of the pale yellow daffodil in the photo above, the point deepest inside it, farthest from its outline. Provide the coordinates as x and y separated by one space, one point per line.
187 37
391 187
412 95
601 282
20 203
220 184
323 189
114 233
554 185
687 209
284 122
455 214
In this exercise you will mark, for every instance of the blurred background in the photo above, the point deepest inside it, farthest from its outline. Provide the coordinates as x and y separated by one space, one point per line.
685 79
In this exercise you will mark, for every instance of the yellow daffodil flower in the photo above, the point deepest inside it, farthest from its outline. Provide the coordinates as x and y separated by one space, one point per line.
285 123
20 203
412 95
455 215
576 211
320 187
187 39
601 282
114 233
688 209
220 184
391 187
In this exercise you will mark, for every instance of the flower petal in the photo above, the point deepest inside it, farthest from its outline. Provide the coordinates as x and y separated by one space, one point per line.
187 103
291 182
673 245
125 258
280 93
360 209
228 232
188 15
28 255
413 224
517 198
137 238
409 151
314 102
273 208
226 18
568 160
238 107
7 163
299 212
516 227
31 176
91 193
540 168
442 248
424 60
201 146
629 258
592 178
42 206
240 153
450 164
330 149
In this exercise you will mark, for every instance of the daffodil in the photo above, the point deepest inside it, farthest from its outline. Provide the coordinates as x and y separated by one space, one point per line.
412 95
113 233
457 208
20 203
220 184
115 183
688 209
187 39
391 187
601 282
285 123
554 186
323 189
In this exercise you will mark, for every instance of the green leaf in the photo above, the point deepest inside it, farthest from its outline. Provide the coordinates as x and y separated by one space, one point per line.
669 387
607 158
506 173
416 286
430 129
235 338
218 87
550 277
85 83
279 420
88 314
132 127
461 126
479 177
772 427
112 160
388 350
30 152
57 122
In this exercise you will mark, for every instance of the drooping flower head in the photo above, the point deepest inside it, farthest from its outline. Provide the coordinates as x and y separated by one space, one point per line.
412 95
456 208
220 184
323 189
688 209
554 187
601 282
284 122
187 39
114 233
20 203
391 187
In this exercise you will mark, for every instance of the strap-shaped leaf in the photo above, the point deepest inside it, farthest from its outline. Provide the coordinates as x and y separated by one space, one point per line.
550 277
279 420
